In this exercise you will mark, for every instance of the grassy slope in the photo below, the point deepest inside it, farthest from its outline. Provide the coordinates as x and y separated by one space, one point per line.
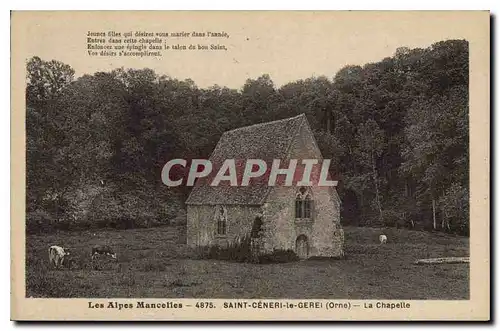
156 263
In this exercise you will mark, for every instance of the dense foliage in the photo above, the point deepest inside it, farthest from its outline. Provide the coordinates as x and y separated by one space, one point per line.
397 131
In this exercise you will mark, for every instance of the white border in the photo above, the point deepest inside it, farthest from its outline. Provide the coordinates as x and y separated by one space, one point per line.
186 5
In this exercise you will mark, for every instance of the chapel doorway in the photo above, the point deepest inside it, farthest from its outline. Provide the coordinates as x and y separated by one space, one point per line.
302 247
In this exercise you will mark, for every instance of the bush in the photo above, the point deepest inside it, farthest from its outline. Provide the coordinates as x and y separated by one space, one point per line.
37 221
92 206
279 256
391 218
236 251
239 251
242 252
125 211
202 252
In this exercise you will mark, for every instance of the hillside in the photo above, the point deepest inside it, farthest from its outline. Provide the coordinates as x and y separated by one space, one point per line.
396 131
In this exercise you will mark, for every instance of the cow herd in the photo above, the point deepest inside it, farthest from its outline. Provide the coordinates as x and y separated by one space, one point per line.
60 256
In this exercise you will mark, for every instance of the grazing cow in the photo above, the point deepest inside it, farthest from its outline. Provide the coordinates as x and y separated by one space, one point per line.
383 239
57 255
103 250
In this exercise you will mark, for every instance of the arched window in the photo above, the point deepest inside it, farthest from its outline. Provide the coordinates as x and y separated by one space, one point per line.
222 221
304 206
299 206
308 207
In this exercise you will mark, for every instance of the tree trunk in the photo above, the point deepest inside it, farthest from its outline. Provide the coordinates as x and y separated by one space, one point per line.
377 194
328 121
361 208
433 213
333 125
443 221
405 200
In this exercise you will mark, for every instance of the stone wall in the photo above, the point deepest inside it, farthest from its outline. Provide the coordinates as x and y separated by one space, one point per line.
202 224
280 228
324 232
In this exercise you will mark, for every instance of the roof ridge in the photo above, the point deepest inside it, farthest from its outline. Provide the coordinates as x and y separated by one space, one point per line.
266 123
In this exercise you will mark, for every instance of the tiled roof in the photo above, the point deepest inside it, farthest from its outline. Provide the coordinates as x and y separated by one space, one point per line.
265 141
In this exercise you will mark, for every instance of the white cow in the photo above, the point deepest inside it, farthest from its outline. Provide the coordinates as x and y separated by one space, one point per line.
57 255
383 239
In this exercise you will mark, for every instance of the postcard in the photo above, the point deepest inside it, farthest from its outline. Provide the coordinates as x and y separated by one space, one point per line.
250 165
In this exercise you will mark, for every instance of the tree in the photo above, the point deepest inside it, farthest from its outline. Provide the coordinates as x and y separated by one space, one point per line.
396 129
259 100
436 149
46 80
370 145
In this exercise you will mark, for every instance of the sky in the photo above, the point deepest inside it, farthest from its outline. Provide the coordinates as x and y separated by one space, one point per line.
286 45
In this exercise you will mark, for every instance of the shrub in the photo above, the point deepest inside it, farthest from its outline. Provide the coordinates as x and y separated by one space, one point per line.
391 218
123 211
240 251
115 206
279 256
37 221
202 252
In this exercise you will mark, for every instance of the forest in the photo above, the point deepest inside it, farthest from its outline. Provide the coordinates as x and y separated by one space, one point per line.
396 130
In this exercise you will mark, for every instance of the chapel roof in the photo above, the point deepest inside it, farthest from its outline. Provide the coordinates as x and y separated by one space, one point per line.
265 141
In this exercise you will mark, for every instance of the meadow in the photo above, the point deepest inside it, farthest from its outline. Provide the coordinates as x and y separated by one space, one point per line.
156 263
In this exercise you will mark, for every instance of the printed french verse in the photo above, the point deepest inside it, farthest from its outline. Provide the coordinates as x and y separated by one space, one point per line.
152 43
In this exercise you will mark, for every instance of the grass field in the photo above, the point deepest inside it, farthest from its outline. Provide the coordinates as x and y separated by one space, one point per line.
156 262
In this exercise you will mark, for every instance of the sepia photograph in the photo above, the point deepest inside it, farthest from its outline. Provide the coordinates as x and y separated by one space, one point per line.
231 159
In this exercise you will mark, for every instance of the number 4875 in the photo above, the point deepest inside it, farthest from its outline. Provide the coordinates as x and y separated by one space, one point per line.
204 305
